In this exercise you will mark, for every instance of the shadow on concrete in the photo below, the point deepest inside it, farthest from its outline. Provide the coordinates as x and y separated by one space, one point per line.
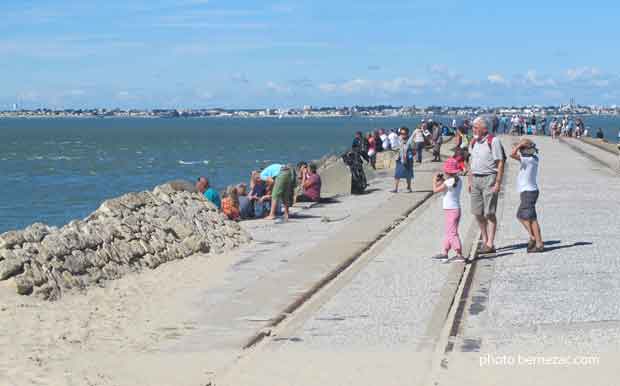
576 244
493 256
524 245
328 200
548 246
298 216
368 191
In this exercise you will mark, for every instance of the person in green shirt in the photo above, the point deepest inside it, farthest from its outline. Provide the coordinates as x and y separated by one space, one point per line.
210 194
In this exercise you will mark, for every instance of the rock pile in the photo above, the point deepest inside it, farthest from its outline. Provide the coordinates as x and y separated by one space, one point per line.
129 233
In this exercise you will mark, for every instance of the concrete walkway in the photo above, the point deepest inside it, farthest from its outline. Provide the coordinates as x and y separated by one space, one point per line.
536 319
562 303
376 324
287 262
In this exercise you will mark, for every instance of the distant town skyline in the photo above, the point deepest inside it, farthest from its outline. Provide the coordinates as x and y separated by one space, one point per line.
261 54
380 111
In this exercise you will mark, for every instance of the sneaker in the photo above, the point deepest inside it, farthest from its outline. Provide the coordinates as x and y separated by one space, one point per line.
456 259
531 244
440 256
485 250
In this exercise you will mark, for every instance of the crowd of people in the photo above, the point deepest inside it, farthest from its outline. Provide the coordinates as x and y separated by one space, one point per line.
428 133
271 192
565 126
478 161
478 155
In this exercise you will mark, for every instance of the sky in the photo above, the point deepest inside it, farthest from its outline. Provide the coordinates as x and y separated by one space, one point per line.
291 53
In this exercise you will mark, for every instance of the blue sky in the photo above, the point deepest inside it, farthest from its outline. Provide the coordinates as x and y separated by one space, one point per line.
207 53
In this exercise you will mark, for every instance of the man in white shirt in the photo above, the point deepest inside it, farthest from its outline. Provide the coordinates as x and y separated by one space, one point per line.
394 140
526 153
385 142
487 161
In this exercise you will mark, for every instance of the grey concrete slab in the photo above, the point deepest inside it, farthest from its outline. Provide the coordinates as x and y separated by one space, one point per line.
279 267
561 302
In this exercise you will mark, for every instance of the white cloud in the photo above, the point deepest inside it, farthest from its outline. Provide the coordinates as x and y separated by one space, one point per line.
278 88
390 86
532 79
582 73
496 79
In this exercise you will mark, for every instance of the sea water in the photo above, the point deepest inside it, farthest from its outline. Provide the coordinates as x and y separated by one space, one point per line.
56 170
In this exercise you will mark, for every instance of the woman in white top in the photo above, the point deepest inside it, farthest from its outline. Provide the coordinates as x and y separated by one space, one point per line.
451 185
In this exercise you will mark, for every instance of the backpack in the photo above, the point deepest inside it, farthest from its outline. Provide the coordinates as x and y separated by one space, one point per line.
489 141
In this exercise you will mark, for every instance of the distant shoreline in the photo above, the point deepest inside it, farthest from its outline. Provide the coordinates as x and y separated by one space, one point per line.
273 117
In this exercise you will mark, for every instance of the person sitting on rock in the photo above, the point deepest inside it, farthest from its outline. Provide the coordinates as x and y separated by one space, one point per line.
230 204
202 185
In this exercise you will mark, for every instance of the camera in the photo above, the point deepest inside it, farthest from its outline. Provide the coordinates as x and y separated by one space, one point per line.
440 176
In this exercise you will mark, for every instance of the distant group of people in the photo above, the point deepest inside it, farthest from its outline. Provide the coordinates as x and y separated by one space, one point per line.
272 191
429 133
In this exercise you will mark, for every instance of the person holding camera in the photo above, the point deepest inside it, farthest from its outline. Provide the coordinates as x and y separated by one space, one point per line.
526 153
451 185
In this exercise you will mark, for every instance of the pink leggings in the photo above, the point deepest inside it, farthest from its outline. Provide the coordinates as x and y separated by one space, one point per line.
452 238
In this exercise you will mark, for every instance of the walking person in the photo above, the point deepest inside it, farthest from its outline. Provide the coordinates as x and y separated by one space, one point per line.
404 162
437 140
487 162
418 140
372 150
451 185
526 153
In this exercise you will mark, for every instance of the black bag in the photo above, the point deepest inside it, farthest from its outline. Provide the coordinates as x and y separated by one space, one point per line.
354 161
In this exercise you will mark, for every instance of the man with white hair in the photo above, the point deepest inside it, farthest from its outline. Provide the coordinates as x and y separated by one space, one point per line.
486 172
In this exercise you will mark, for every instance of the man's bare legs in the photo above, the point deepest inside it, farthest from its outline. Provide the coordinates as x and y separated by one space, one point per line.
488 227
482 223
272 211
285 212
491 229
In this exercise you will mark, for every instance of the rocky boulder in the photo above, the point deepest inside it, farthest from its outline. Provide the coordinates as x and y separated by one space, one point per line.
128 233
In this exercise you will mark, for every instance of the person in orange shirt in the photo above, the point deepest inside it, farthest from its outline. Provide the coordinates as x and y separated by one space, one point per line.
230 204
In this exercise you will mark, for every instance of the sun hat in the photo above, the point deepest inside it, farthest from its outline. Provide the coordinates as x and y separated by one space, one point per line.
451 166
